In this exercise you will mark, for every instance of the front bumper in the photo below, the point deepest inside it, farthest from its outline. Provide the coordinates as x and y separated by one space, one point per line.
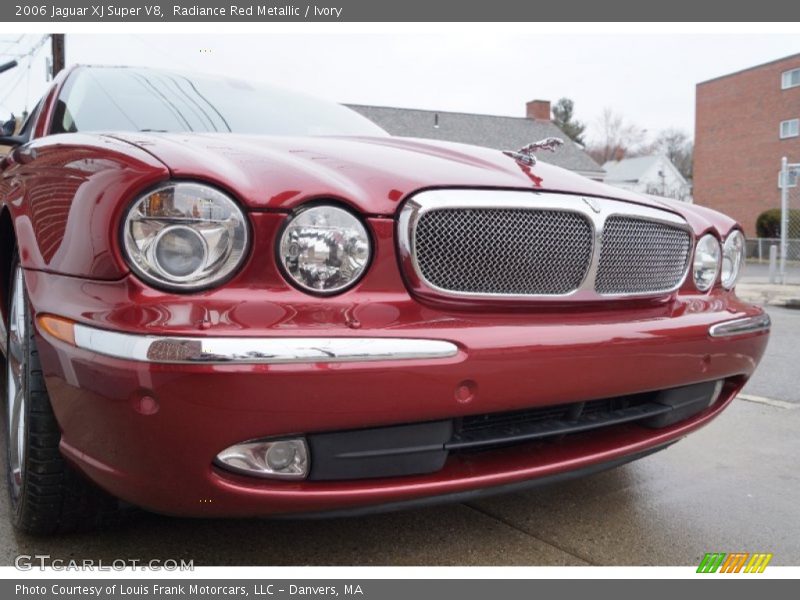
148 431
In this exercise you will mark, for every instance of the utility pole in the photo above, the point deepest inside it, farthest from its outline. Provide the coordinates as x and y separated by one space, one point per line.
57 46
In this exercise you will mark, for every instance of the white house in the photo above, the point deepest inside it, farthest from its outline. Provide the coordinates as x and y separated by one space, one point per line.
654 175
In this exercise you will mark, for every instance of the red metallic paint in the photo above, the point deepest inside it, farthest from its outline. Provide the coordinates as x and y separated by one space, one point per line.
515 360
65 195
163 460
372 174
60 184
149 433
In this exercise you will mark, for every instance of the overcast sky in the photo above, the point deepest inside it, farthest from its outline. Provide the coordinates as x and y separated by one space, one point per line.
650 79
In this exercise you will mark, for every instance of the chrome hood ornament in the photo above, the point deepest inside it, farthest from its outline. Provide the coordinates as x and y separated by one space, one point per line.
525 155
592 203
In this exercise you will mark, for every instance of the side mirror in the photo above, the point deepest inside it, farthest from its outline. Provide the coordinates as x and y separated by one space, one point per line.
9 127
7 137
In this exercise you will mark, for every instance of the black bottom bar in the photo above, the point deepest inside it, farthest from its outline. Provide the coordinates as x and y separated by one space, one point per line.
421 448
472 495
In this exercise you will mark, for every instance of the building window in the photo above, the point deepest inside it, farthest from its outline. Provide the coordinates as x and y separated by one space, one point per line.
790 128
794 175
790 79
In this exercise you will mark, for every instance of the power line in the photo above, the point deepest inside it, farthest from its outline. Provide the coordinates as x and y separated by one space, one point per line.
12 88
28 84
11 43
35 48
29 56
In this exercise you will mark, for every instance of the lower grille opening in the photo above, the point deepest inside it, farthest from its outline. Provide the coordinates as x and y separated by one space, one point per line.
420 448
524 425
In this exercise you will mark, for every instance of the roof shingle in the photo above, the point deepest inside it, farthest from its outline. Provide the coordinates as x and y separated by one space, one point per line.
501 133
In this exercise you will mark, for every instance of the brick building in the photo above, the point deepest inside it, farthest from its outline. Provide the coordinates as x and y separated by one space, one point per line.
745 122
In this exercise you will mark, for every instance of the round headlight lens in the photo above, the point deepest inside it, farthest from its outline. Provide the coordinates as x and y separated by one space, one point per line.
706 262
185 236
733 256
179 251
324 249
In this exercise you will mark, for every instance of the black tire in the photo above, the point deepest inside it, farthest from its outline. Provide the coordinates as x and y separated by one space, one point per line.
47 495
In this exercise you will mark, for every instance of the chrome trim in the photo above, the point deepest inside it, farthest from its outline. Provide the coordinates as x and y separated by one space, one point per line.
244 350
17 387
3 334
757 324
250 458
596 211
168 282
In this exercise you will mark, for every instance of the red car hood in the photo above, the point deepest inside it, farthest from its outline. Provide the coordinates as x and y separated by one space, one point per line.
372 174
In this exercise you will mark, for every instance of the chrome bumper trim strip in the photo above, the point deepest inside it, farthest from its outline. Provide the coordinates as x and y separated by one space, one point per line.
244 350
741 326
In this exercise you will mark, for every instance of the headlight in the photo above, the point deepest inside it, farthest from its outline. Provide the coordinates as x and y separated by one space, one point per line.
706 262
733 255
324 249
185 236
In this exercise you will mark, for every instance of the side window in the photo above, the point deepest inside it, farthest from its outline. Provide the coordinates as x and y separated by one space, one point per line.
27 125
73 90
790 128
794 175
790 79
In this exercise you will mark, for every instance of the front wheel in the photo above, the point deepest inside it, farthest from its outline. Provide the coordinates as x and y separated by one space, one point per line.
47 495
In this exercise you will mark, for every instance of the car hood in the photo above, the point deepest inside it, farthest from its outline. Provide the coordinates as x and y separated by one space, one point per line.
371 174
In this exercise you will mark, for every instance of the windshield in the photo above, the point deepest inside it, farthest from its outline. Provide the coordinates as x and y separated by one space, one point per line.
126 99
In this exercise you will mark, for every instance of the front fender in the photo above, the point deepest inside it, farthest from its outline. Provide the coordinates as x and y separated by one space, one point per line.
65 194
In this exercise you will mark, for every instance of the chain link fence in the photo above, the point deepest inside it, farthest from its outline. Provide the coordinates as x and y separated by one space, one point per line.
789 249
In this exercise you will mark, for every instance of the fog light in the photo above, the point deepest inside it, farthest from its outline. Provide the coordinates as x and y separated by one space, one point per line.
273 459
281 456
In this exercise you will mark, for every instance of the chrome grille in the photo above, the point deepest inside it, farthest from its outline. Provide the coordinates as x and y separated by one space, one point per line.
506 251
510 244
640 256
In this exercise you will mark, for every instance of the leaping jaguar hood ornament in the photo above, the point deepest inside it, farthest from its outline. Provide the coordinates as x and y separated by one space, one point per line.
525 155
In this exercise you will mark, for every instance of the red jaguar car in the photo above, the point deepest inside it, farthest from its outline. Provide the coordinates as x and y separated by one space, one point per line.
222 299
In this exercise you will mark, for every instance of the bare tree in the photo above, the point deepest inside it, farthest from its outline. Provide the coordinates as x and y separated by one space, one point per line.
617 138
678 147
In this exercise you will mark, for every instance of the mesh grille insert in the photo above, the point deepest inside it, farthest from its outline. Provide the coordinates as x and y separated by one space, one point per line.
504 251
639 256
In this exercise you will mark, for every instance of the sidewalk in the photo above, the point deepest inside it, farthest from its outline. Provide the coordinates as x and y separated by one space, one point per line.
769 293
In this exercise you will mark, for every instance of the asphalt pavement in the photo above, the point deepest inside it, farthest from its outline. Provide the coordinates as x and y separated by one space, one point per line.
778 375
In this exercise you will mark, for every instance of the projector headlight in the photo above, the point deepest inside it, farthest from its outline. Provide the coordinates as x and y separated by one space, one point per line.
324 249
733 256
706 262
185 236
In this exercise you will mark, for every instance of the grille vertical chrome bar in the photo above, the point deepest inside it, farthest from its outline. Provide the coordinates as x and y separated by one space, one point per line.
499 244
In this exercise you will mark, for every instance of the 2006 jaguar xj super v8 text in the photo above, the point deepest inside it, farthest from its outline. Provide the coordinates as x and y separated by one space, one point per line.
227 300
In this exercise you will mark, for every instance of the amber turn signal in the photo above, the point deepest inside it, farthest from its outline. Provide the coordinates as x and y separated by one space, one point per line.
57 327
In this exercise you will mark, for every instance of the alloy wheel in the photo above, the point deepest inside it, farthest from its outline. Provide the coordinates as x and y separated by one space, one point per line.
17 382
